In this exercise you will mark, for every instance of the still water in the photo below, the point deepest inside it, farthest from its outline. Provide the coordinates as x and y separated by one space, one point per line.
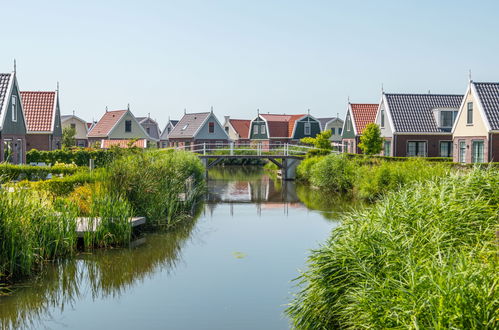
231 267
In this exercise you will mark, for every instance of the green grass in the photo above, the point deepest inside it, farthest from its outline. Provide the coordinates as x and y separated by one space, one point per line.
424 257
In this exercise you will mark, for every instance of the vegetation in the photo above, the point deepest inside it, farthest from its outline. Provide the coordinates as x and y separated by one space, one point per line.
321 141
78 156
68 137
10 172
425 257
371 141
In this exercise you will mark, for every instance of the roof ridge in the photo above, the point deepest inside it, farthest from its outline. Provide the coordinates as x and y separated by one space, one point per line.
486 82
424 94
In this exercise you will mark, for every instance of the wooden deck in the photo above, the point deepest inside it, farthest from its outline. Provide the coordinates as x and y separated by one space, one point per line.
86 225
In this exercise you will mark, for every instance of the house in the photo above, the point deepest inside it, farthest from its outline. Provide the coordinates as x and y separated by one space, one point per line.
117 125
237 130
195 129
476 129
12 121
334 124
79 125
150 126
43 120
163 139
357 117
417 124
272 130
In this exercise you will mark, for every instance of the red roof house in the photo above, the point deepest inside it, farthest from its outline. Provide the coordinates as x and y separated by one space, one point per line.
237 129
357 118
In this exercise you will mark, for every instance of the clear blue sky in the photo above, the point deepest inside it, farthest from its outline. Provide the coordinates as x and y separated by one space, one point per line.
237 56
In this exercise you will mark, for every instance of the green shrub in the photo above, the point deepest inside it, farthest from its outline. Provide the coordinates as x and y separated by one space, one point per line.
425 257
10 172
78 156
334 173
304 170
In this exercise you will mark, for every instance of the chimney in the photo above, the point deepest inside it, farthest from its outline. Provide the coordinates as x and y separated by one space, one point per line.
226 118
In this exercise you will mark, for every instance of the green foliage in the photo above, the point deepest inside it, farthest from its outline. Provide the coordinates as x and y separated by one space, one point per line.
333 173
321 141
304 170
371 141
425 257
68 137
78 156
10 172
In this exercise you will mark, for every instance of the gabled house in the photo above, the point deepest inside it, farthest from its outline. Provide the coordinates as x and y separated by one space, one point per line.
163 139
196 129
150 126
357 117
417 124
237 130
272 130
12 121
335 125
43 120
79 125
117 125
476 129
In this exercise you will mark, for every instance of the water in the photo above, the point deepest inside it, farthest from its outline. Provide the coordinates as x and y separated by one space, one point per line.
229 268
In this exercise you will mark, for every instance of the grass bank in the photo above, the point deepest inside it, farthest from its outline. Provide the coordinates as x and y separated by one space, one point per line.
424 257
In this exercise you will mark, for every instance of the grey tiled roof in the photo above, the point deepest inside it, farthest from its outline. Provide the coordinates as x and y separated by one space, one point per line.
4 83
324 121
413 113
188 125
152 124
489 97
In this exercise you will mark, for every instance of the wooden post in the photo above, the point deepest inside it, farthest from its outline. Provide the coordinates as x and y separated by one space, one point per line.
91 164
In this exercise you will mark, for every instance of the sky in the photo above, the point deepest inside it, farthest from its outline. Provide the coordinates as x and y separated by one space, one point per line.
162 57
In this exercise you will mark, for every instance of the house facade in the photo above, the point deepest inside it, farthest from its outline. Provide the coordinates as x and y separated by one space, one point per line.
237 130
12 121
151 127
117 125
273 130
163 139
357 117
195 129
335 125
476 129
417 124
79 125
43 120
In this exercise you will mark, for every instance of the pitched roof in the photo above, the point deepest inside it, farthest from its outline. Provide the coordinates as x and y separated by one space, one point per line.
39 109
363 114
326 120
148 120
104 126
4 84
164 133
106 144
281 125
188 125
489 97
241 126
413 113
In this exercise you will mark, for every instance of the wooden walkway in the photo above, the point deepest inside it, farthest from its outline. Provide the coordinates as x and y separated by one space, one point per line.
86 225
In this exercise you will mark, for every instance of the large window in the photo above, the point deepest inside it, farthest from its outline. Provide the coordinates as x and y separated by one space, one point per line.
128 126
477 151
470 113
416 148
387 148
14 108
307 129
445 148
211 127
447 118
462 151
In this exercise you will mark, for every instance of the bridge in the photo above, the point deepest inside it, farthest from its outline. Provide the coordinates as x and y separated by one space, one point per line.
285 156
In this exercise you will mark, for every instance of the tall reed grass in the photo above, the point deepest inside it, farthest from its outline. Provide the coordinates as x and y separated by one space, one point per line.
426 257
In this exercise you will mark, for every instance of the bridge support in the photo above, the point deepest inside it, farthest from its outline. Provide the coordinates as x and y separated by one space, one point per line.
288 169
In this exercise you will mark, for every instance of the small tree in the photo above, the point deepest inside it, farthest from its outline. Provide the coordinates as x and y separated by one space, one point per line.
371 141
321 142
68 137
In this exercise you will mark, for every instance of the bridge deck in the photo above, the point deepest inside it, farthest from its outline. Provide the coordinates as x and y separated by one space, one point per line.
251 156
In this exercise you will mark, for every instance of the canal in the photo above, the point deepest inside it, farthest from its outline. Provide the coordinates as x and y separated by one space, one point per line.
231 267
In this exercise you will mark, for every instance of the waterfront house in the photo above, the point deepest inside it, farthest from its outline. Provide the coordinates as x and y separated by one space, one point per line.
237 130
117 125
335 125
12 121
79 125
357 117
197 129
273 130
476 129
163 139
151 127
417 124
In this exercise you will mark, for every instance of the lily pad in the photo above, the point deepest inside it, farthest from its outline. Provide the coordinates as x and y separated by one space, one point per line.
239 255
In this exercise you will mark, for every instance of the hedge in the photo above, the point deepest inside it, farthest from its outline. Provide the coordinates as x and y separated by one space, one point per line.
10 172
399 159
78 156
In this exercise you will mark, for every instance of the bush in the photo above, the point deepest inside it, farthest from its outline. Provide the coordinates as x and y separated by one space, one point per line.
10 172
78 156
425 257
334 173
304 170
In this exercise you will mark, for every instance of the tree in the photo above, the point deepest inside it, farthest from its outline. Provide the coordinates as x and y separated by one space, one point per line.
371 141
321 142
68 137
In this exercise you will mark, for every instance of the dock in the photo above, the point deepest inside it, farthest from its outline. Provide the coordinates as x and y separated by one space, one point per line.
87 225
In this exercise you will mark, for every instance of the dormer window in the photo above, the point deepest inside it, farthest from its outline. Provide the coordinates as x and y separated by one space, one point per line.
446 117
14 108
262 129
307 128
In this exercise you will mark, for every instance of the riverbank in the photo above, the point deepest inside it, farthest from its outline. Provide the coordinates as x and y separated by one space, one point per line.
39 218
425 255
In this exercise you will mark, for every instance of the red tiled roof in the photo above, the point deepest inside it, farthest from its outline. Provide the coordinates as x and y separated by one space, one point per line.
106 144
241 126
291 124
39 110
281 125
106 123
363 114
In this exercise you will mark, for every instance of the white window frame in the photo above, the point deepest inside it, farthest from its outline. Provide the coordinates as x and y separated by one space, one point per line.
14 108
263 129
307 128
255 129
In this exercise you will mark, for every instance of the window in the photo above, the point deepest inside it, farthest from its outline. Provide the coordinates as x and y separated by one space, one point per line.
255 129
148 130
416 148
447 118
382 118
168 130
339 130
470 114
227 129
387 148
14 108
477 151
211 127
333 130
307 129
445 148
263 129
73 126
462 151
128 126
349 125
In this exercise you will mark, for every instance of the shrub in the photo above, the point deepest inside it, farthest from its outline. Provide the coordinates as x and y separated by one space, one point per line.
78 156
10 172
334 173
304 170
